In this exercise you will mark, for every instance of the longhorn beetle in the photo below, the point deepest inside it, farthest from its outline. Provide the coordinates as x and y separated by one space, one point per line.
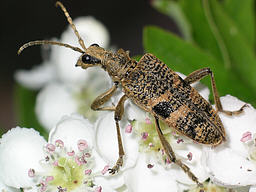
151 85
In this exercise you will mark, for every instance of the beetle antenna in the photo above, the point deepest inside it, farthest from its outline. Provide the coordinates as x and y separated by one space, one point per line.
43 42
80 40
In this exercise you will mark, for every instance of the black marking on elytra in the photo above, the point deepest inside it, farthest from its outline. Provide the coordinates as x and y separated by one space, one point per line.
163 109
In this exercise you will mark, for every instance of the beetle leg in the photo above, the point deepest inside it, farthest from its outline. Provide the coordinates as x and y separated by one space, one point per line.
171 155
118 116
103 98
201 73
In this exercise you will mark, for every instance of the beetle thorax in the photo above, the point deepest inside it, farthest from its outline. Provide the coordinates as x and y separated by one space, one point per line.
116 64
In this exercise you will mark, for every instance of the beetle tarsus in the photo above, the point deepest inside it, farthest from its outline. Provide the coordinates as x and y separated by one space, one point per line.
117 166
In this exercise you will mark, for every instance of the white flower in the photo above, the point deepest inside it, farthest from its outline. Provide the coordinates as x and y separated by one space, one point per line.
54 101
142 178
37 77
58 99
66 163
18 153
233 163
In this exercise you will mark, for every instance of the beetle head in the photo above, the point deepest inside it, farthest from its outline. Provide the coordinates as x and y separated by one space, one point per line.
92 56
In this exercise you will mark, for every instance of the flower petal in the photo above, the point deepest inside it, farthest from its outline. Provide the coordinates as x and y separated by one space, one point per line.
252 188
110 182
229 164
37 77
230 168
237 125
71 129
92 31
6 188
54 101
194 164
20 150
141 178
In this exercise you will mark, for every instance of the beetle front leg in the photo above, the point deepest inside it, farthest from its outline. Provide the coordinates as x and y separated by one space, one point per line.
103 98
171 155
201 73
118 116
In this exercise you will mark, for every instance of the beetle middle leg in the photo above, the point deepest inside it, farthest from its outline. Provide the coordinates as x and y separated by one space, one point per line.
201 73
171 155
119 110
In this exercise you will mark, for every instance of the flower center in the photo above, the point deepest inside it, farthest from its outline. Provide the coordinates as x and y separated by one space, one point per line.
149 140
67 174
65 170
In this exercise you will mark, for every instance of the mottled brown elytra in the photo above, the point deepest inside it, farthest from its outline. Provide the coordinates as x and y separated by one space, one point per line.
151 85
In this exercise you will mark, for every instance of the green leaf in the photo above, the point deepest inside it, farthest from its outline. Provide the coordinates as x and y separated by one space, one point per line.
242 57
173 10
182 56
203 34
1 132
242 13
25 104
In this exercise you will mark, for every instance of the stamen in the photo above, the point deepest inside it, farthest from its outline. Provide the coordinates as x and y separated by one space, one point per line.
43 186
98 189
88 172
82 145
128 128
148 121
59 143
246 137
105 170
151 145
72 153
55 163
50 147
31 172
189 156
49 178
144 135
180 141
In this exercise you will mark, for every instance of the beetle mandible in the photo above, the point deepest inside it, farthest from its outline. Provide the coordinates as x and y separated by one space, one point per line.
151 85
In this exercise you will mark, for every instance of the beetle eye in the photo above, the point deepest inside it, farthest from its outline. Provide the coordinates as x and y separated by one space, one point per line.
89 59
95 44
86 58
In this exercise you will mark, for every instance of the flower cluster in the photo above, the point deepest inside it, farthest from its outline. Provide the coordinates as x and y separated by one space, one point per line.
79 152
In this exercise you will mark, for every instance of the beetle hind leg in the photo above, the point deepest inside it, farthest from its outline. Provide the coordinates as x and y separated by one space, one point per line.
171 155
201 73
